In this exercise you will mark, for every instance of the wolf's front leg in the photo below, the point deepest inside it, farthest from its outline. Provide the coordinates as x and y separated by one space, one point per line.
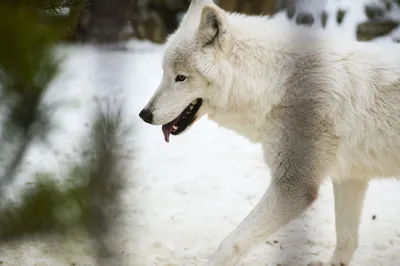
298 170
349 198
283 201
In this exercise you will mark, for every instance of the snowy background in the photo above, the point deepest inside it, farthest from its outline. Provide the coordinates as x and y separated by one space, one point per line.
185 196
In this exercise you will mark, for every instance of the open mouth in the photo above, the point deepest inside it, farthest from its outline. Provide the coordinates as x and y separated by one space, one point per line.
185 119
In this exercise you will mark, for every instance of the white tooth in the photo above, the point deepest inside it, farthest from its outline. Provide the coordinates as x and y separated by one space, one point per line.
191 107
194 102
174 127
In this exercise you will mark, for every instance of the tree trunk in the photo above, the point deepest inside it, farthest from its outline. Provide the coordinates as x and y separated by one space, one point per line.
82 25
229 5
268 7
252 7
110 20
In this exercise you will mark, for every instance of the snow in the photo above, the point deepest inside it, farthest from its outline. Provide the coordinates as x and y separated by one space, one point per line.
182 198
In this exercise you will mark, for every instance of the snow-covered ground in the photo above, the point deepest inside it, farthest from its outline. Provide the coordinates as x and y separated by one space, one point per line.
183 197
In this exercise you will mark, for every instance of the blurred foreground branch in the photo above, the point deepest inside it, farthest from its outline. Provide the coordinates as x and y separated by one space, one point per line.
89 196
27 66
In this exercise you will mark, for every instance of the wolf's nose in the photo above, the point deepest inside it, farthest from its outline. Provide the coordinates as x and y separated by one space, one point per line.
146 115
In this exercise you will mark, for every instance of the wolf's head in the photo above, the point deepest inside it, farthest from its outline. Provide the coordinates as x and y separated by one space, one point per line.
194 69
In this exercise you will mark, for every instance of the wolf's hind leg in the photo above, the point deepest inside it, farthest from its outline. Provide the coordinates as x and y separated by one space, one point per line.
349 197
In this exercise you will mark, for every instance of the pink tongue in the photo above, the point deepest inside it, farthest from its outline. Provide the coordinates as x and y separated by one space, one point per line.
167 129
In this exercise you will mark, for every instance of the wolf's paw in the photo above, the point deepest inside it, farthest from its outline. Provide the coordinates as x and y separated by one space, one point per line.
319 263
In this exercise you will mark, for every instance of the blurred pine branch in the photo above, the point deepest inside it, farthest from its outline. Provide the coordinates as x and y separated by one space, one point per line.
27 66
89 196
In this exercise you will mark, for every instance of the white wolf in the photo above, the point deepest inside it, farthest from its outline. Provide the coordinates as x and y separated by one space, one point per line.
320 105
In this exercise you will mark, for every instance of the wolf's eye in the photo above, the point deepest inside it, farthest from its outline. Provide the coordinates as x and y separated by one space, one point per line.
180 78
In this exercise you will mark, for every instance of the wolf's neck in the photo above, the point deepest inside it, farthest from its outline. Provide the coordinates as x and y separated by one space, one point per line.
245 123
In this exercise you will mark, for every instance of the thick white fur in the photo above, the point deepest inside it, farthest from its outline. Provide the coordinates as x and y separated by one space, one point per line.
320 105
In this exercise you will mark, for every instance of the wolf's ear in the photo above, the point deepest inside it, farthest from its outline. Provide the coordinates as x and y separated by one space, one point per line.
213 25
193 13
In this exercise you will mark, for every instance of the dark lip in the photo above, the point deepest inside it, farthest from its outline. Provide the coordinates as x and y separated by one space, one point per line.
185 123
182 121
